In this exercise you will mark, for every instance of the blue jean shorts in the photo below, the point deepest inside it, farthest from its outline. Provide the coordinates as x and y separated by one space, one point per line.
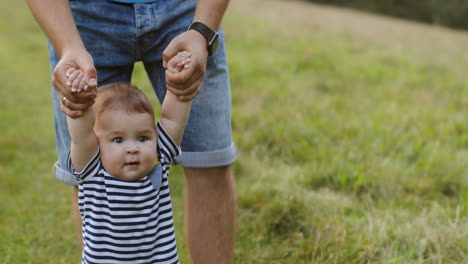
117 35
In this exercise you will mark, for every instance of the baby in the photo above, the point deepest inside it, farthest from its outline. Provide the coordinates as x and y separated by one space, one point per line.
124 197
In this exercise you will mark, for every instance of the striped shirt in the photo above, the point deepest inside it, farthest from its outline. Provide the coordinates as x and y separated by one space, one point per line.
127 222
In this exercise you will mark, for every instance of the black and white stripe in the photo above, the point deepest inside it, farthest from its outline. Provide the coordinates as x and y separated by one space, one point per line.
127 222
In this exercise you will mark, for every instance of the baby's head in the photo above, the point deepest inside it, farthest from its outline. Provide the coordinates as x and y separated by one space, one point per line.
122 96
125 128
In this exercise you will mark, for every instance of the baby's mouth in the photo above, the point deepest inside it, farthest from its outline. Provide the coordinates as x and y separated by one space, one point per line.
132 163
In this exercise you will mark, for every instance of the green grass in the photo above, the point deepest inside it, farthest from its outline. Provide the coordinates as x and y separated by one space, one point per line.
350 150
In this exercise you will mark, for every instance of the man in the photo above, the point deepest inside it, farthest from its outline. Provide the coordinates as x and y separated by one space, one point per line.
104 38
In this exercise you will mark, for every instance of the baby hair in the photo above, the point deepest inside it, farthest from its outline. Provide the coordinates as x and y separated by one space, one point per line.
122 95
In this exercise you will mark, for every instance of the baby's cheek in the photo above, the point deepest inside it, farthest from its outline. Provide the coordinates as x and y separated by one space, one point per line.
112 164
111 153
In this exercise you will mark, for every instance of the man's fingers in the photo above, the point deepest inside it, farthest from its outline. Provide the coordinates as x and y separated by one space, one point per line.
171 50
192 89
83 98
190 96
185 92
184 79
59 80
196 70
71 113
91 78
59 87
179 79
74 106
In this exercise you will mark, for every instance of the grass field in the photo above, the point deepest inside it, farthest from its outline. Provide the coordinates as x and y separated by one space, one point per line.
352 133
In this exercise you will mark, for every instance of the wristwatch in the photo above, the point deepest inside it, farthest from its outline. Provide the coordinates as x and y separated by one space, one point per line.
210 35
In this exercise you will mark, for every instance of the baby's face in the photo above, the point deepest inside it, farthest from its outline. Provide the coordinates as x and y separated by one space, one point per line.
127 143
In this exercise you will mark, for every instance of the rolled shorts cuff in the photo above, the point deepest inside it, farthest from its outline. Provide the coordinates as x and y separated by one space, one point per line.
210 159
64 175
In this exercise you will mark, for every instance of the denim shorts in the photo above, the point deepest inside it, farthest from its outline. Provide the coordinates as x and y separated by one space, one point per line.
117 35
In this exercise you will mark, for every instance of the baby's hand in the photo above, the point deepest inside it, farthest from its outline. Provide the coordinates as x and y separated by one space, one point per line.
179 62
76 80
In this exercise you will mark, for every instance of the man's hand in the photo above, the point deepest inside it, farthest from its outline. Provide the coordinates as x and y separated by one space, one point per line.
186 84
74 104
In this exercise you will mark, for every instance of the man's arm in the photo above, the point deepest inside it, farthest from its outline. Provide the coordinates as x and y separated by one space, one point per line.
84 142
174 116
186 84
211 12
55 18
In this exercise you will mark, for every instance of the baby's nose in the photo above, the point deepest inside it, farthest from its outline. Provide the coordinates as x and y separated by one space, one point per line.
132 147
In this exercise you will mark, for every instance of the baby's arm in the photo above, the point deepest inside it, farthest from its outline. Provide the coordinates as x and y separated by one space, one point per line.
174 113
84 143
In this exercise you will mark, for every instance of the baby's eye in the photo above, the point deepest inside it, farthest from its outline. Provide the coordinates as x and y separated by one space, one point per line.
117 140
142 138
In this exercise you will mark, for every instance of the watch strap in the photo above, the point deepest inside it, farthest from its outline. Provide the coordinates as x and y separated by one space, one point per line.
209 34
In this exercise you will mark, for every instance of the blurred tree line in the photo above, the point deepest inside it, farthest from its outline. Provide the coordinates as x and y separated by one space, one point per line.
449 13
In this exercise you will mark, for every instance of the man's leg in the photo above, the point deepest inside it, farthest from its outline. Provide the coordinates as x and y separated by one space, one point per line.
207 147
77 216
210 214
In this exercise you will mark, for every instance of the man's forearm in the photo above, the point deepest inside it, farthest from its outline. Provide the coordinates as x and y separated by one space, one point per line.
55 18
211 12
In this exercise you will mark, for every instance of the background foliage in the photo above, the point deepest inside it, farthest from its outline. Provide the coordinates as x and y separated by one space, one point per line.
449 13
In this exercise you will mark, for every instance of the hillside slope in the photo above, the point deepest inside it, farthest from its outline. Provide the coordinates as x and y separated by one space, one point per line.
296 17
